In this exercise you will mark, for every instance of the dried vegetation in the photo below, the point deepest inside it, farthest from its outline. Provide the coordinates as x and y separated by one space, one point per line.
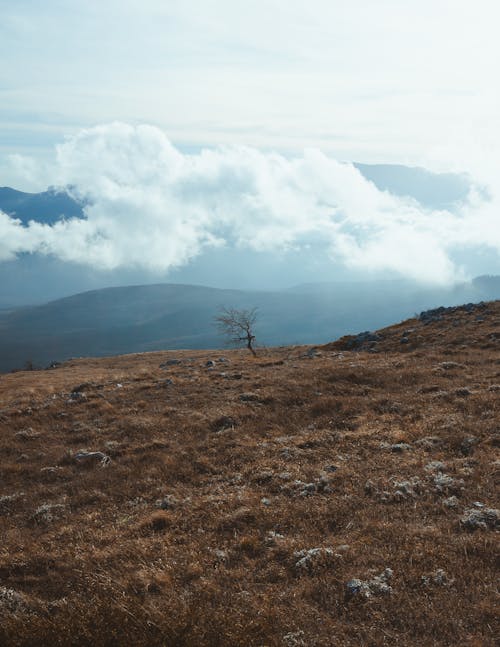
349 501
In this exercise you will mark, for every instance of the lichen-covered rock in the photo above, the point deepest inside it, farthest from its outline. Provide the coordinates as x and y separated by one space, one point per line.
11 601
485 518
378 585
49 512
438 578
312 558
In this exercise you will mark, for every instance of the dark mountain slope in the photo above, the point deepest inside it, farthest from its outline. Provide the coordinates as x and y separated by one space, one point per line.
154 317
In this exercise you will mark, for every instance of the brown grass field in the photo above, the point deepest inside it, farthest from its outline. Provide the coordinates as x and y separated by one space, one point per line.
197 528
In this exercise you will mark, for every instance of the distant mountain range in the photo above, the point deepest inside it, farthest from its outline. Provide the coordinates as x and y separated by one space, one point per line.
47 207
166 316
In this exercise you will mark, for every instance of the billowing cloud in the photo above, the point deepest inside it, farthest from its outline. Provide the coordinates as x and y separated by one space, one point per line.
151 206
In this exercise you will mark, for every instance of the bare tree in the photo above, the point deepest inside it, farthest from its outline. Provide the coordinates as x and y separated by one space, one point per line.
238 326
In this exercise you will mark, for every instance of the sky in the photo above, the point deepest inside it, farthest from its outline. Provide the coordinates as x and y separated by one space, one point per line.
249 110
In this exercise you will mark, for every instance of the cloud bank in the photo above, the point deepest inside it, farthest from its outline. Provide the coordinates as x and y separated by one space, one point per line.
153 207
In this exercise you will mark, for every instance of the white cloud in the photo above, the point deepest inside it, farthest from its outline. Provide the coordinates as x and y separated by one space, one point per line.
151 206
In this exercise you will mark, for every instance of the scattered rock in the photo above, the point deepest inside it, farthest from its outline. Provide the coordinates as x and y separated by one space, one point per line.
467 445
87 457
486 518
451 502
8 501
463 392
273 538
11 601
294 639
445 483
49 512
170 362
409 488
77 396
448 366
438 578
249 397
310 559
169 502
378 585
223 360
400 447
494 387
429 442
81 387
26 434
299 488
435 466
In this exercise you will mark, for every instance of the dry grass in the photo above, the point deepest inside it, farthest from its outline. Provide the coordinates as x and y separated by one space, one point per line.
188 536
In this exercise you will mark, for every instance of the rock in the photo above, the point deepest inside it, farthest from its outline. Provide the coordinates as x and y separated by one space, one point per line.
26 434
448 366
463 392
12 601
404 340
445 483
49 512
169 502
435 466
170 362
400 447
7 501
273 538
295 639
223 360
409 488
451 502
77 396
429 442
310 559
467 445
265 501
249 397
210 363
357 587
438 578
313 352
378 585
494 387
486 518
83 455
81 387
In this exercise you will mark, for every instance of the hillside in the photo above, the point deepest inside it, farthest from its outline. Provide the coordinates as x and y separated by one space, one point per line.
168 316
337 495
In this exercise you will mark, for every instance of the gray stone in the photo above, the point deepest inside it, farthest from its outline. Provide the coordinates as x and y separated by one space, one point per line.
485 519
249 397
400 447
99 457
310 559
49 512
170 362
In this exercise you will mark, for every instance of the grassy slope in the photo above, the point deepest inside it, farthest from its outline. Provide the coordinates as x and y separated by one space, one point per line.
113 568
